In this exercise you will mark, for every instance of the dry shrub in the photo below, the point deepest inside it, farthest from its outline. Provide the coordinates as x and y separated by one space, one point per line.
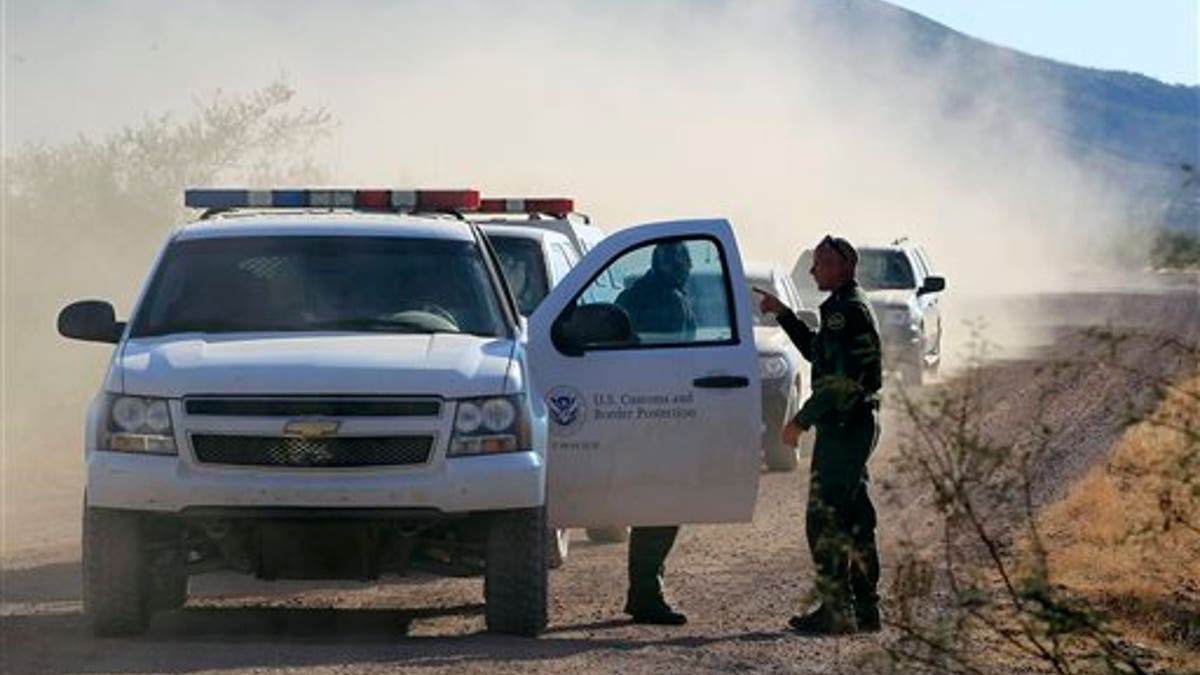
1126 536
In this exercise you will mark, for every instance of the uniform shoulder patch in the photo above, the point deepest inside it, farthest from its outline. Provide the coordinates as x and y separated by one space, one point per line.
835 321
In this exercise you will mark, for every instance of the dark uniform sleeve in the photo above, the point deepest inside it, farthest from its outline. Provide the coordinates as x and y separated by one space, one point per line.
798 331
857 369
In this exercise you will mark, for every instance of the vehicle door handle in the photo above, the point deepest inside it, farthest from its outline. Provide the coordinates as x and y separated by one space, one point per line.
722 382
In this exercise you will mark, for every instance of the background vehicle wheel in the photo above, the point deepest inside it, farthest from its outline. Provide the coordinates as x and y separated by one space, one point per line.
558 548
115 592
516 577
932 368
608 535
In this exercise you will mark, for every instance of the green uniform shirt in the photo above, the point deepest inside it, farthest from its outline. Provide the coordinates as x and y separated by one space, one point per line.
847 368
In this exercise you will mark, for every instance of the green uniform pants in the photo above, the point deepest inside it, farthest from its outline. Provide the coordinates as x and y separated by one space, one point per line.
648 549
840 519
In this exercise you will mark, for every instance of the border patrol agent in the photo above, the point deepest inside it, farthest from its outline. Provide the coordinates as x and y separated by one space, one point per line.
846 378
657 303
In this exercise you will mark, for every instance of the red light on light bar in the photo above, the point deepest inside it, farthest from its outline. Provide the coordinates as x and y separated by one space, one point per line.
553 206
447 200
373 199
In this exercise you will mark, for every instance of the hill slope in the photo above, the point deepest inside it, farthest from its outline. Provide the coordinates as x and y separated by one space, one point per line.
1138 131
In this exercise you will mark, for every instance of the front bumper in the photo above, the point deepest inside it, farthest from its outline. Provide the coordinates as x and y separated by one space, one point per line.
457 485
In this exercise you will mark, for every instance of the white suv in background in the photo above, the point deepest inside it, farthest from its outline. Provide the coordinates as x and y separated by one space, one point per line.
905 292
338 384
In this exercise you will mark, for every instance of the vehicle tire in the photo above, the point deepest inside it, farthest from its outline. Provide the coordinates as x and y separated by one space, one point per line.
168 591
515 582
166 564
168 583
115 597
608 535
559 541
933 367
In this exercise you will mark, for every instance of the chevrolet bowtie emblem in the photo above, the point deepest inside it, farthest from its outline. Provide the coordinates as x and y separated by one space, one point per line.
310 428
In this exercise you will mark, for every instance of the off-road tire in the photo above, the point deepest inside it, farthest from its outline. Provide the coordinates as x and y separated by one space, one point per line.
516 579
608 535
166 563
558 546
168 584
115 593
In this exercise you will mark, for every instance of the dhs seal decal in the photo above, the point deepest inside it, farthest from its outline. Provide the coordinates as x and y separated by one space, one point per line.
567 409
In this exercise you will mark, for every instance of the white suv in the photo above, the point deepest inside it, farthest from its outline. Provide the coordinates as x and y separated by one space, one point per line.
314 384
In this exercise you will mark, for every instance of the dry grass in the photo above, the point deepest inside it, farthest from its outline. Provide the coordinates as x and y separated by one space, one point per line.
1126 536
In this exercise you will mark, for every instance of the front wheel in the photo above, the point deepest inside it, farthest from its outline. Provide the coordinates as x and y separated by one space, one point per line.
515 580
116 600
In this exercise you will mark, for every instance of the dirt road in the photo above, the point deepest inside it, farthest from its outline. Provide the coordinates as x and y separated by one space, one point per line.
738 585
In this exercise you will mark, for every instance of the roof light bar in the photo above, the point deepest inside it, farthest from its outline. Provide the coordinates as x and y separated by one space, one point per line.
385 200
556 206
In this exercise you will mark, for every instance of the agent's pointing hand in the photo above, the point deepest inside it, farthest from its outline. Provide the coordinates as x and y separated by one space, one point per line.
769 303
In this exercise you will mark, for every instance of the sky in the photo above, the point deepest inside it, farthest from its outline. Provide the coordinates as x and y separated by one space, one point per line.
1153 37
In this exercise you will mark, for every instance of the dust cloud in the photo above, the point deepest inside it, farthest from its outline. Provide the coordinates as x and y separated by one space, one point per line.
792 119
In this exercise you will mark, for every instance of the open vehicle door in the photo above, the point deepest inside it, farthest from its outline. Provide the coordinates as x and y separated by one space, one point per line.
643 359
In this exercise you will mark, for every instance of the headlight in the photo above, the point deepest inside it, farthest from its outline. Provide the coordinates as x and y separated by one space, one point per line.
139 424
772 366
485 426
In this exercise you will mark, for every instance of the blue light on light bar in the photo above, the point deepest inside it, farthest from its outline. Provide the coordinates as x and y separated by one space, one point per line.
292 198
216 199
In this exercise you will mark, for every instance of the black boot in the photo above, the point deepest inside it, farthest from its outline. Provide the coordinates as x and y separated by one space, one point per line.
655 612
867 618
823 621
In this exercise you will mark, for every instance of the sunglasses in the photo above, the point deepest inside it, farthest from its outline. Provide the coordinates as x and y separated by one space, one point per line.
838 247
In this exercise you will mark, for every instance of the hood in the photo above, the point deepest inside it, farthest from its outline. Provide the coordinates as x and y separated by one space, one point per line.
771 339
880 298
447 365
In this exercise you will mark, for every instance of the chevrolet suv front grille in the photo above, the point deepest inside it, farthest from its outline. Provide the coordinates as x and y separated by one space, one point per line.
340 452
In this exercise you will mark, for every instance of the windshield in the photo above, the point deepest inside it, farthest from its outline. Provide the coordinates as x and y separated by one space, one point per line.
362 284
524 269
884 269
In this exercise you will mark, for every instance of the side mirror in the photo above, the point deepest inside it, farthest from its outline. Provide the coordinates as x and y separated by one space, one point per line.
583 327
932 285
90 320
810 318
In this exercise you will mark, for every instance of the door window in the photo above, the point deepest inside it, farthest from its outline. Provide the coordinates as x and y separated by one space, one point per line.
672 292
